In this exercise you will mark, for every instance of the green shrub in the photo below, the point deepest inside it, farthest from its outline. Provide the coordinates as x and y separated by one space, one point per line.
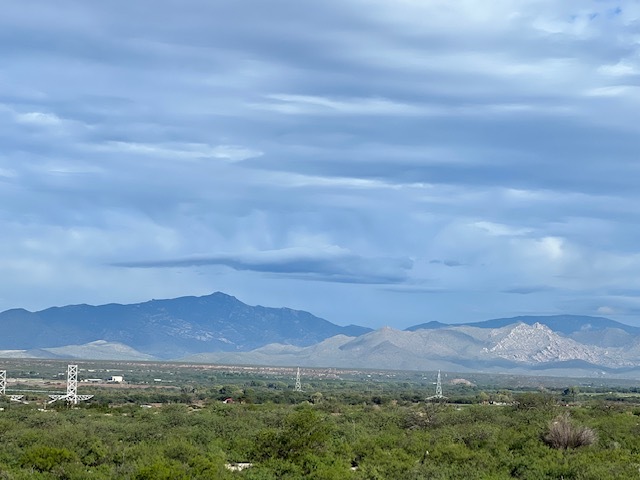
45 459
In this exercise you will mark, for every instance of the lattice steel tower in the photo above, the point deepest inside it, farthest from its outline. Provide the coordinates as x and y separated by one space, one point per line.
72 396
298 387
438 394
439 386
3 387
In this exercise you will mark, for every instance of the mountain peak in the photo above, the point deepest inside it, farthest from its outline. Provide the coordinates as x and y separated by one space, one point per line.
537 343
219 294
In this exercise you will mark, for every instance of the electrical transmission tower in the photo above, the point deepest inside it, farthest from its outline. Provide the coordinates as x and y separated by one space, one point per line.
438 394
298 387
72 396
3 387
439 386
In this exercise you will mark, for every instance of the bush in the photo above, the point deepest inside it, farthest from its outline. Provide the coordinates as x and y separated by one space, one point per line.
531 400
563 434
304 432
44 458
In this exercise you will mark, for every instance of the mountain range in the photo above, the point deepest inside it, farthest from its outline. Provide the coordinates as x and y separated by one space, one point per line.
219 328
167 329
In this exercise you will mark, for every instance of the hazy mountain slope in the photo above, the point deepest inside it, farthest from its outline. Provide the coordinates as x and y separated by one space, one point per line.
517 348
609 337
99 350
566 324
381 353
24 330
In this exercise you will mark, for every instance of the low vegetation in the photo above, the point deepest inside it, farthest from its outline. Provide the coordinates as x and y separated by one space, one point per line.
336 429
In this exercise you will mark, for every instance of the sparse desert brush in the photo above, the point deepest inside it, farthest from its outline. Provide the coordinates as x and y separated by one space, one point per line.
563 434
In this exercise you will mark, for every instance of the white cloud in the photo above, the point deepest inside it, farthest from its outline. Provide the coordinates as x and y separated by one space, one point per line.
184 151
620 69
552 247
38 119
605 310
7 173
316 105
499 230
627 91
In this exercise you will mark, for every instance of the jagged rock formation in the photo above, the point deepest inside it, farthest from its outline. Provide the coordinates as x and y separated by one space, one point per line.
537 343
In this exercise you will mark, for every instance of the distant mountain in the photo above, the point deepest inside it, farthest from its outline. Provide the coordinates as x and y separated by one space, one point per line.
220 328
565 324
98 350
517 348
432 325
167 329
372 350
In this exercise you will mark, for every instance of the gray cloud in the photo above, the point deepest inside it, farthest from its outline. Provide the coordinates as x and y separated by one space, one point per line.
500 137
526 290
447 263
332 265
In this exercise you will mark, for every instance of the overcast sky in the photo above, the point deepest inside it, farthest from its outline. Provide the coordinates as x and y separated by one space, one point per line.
373 162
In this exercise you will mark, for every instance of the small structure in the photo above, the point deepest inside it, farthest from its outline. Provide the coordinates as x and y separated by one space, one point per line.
116 379
237 467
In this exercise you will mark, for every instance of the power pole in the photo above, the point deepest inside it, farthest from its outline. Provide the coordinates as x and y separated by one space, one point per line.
298 387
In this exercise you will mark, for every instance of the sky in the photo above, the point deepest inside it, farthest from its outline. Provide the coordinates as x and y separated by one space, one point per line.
373 162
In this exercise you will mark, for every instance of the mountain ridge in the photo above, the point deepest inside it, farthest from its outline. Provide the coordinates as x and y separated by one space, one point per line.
566 324
220 328
168 328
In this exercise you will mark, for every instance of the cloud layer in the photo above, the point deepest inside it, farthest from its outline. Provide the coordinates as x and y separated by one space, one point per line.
327 156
